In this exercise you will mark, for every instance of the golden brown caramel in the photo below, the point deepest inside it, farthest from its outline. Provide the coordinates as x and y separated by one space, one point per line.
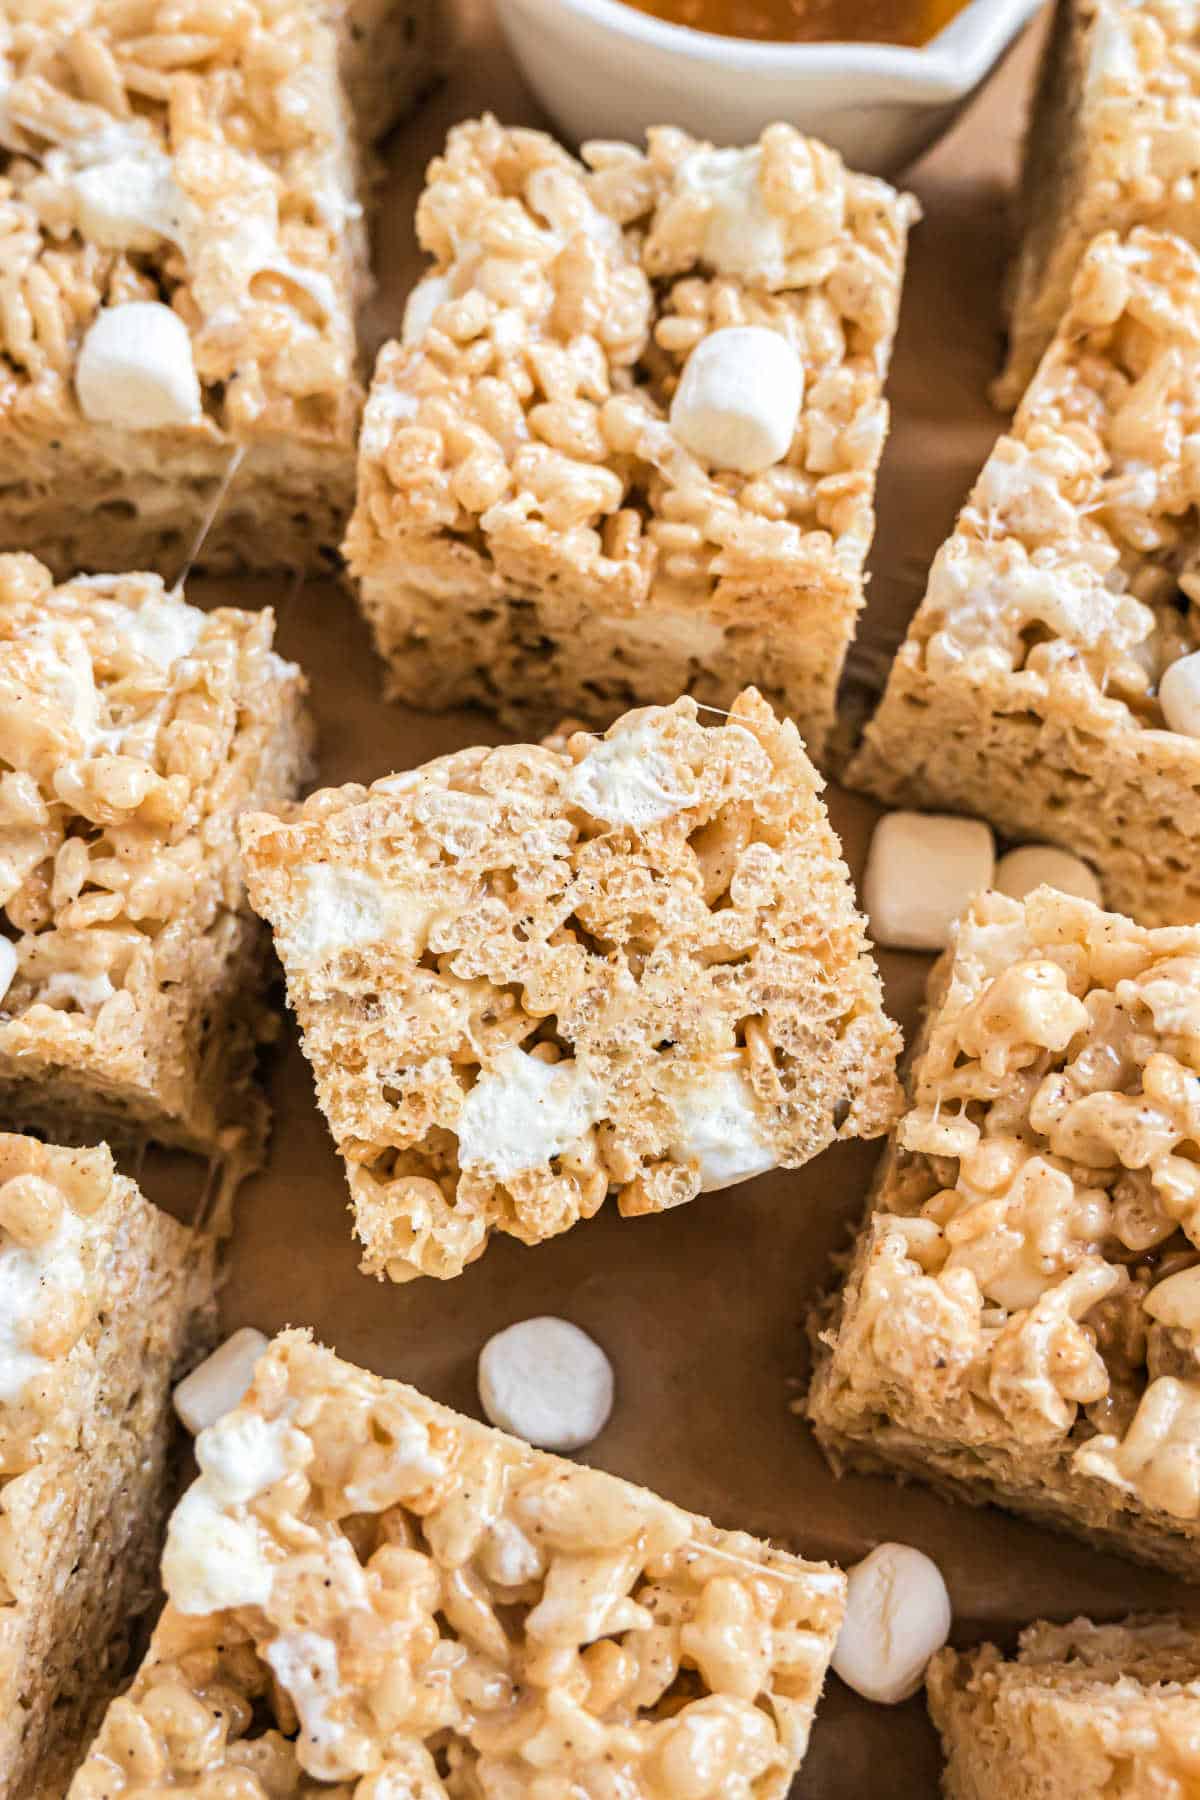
810 21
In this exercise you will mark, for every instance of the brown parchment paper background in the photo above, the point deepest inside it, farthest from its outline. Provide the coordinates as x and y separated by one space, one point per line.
700 1310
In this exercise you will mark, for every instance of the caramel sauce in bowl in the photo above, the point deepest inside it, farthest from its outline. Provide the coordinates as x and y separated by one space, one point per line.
611 68
911 22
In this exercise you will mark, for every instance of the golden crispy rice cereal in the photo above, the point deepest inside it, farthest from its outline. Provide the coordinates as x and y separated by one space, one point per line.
529 532
531 977
1028 688
1022 1318
104 1299
133 729
1080 1710
369 1595
200 155
1114 144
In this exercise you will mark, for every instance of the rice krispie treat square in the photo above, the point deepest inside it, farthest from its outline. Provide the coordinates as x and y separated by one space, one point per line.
133 730
1049 678
368 1589
549 520
181 251
531 977
105 1300
1080 1710
1114 142
1021 1321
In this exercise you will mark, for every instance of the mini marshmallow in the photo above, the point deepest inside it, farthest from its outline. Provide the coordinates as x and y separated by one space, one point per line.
1043 865
218 1384
547 1382
738 399
1179 695
897 1617
8 965
136 370
922 870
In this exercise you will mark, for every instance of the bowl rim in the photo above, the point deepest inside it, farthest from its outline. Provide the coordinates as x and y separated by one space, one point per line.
946 67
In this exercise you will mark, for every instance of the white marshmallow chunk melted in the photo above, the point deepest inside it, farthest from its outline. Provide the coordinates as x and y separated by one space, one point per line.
346 909
720 1127
523 1112
1044 865
130 200
219 1383
738 399
135 369
547 1382
1179 695
28 1278
306 1667
628 779
897 1616
741 236
214 1557
922 870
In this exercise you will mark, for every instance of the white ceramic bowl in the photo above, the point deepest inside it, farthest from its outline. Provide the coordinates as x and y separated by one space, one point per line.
604 70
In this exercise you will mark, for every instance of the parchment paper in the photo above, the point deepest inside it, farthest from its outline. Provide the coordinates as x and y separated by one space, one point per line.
701 1309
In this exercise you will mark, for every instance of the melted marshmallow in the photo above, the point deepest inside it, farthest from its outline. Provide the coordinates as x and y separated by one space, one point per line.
26 1275
741 236
523 1112
306 1667
345 909
628 779
214 1559
720 1127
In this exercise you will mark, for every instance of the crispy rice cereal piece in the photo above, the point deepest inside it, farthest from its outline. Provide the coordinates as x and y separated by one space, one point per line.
369 1590
105 1299
1081 1710
1027 690
133 729
1114 143
200 156
530 977
529 532
1021 1322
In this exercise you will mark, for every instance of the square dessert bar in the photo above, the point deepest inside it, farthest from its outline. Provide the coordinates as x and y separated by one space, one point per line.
531 531
197 162
530 977
1029 689
1021 1321
105 1300
133 729
366 1588
1114 142
1080 1710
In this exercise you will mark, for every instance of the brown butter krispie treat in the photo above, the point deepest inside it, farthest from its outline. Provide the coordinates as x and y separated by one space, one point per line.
1046 681
1021 1320
1114 142
102 1300
528 978
133 730
1081 1710
197 162
368 1590
532 531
